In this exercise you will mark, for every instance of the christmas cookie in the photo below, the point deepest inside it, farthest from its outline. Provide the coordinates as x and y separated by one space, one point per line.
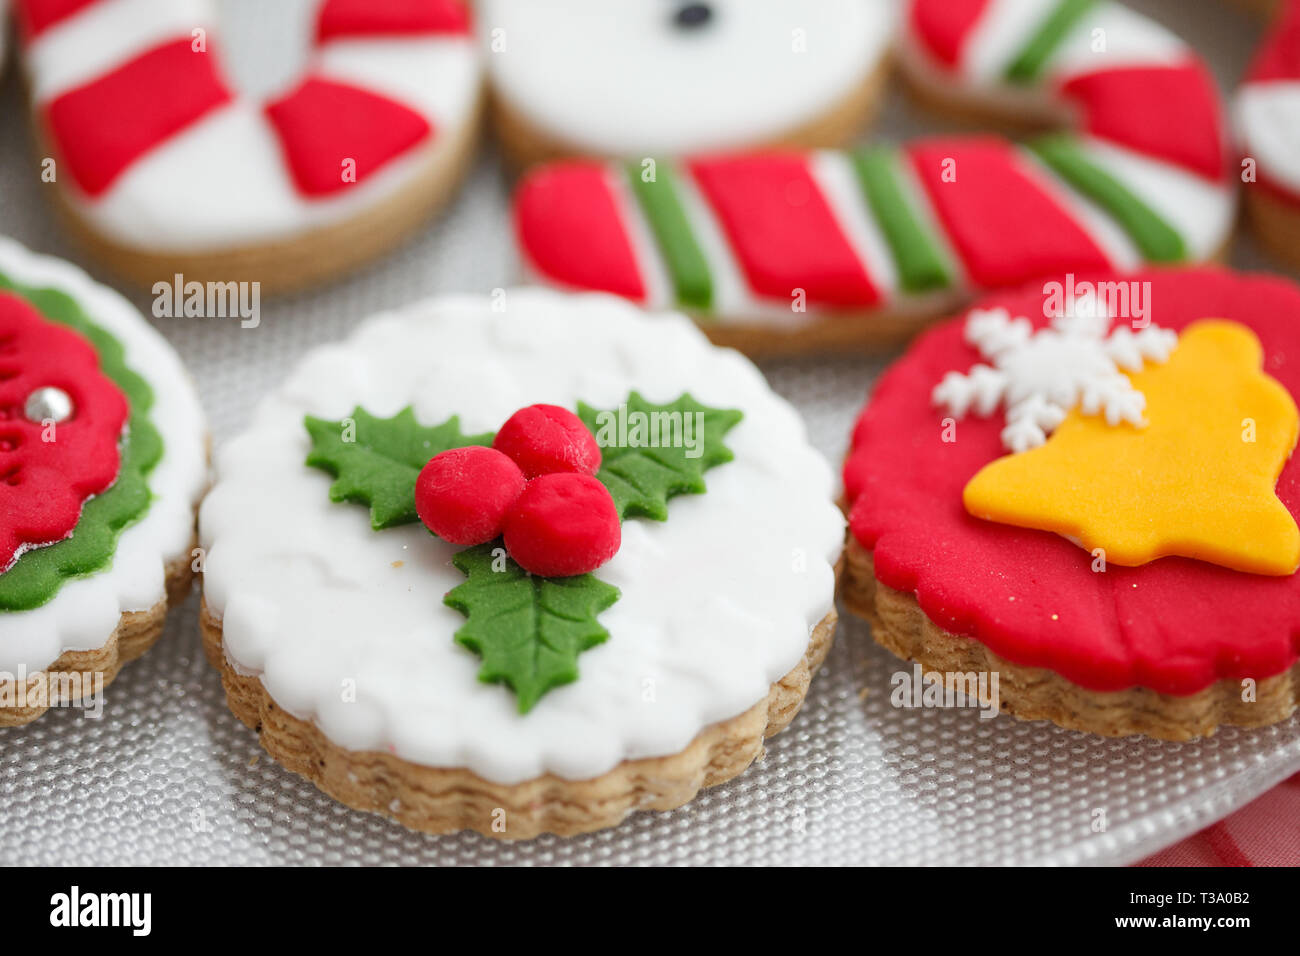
519 565
102 461
668 77
1090 490
1268 118
790 251
164 168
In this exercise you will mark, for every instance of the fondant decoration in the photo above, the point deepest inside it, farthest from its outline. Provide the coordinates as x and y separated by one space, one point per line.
776 238
1217 430
1197 480
141 122
1041 375
715 604
535 488
464 494
665 77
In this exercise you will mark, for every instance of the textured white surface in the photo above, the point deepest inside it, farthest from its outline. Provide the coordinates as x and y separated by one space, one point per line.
169 776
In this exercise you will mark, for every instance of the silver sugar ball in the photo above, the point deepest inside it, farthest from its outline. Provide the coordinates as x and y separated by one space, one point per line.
48 404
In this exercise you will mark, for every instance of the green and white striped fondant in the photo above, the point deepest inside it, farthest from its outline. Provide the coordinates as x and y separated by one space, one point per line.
1137 174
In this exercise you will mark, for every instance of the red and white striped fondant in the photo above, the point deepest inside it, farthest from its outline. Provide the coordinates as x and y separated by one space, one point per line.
1268 108
157 150
1141 173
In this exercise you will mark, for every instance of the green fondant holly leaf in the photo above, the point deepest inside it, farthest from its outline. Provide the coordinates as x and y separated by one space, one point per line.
652 452
376 461
36 577
529 630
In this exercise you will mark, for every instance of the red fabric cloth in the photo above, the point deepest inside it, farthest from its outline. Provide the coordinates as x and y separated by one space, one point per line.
1265 832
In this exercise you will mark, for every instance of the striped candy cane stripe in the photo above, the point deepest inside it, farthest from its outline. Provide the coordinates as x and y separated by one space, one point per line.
160 150
1142 177
1268 108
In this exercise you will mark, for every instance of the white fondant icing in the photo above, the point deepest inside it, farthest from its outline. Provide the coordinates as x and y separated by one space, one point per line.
1110 36
837 180
85 611
717 602
624 80
222 182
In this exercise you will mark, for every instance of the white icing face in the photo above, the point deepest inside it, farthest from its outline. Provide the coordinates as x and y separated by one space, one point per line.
716 603
85 611
630 77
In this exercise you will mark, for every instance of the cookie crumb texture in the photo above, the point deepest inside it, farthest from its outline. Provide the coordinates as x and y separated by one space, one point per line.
1173 647
437 800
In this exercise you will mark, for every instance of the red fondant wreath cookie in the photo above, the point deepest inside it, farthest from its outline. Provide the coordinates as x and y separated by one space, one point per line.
797 250
167 168
1096 501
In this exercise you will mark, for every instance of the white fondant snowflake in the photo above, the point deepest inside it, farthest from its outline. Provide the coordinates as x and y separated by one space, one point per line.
1040 376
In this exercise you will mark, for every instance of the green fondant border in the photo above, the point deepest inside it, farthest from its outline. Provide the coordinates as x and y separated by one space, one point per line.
36 577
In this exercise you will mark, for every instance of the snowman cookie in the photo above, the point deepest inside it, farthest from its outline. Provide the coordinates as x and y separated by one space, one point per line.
787 250
102 462
1268 115
536 562
1090 491
662 77
163 168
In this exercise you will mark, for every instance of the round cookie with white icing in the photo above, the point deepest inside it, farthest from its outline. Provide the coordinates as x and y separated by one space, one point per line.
655 77
164 168
795 251
103 460
442 684
1088 492
1268 117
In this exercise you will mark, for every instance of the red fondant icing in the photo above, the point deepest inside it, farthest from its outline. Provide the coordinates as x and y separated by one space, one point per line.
101 128
334 135
1006 228
1171 113
35 16
542 439
1279 57
783 230
1174 625
44 482
464 494
942 26
571 229
563 524
370 18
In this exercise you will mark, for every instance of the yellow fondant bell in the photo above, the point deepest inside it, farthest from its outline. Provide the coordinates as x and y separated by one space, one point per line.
1197 481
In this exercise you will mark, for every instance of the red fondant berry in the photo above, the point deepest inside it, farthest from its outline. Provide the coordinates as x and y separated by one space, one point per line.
464 494
543 439
563 524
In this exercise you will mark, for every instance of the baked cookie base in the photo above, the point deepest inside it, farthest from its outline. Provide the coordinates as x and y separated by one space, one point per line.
442 800
1030 693
292 264
72 676
525 145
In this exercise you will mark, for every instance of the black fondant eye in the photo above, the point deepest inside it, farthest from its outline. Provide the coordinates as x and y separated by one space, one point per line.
691 15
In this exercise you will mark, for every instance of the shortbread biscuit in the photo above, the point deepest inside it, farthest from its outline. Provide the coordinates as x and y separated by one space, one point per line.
103 460
161 168
631 580
1091 491
779 252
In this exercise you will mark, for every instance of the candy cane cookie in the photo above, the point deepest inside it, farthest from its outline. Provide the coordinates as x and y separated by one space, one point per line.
651 77
781 251
163 168
103 459
1268 121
